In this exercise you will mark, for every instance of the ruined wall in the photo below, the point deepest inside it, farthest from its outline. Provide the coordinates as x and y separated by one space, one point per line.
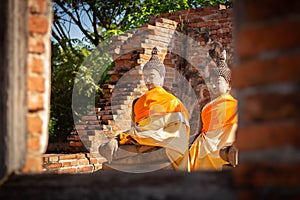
38 81
70 163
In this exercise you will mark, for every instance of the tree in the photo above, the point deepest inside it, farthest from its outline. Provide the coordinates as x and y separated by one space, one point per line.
98 19
95 20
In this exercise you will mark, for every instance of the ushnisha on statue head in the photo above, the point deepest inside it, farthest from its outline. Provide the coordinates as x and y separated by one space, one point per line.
221 76
154 71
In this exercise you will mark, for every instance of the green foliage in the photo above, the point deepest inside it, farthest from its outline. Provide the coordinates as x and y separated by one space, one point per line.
65 64
91 74
52 131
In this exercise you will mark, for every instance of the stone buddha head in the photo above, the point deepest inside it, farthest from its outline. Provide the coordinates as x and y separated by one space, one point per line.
154 71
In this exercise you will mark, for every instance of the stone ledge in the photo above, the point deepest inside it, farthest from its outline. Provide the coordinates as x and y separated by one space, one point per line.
119 185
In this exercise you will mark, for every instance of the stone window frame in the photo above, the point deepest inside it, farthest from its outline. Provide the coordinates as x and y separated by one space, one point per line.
13 77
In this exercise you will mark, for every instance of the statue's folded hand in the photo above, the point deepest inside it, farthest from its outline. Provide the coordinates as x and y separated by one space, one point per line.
107 150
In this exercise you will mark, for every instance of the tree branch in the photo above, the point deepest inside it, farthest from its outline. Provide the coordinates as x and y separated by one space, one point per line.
58 39
77 21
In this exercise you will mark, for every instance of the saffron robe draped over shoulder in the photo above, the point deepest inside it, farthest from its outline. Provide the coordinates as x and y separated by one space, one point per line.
162 120
219 118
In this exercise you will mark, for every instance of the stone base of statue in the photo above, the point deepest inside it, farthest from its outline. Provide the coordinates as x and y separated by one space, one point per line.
138 159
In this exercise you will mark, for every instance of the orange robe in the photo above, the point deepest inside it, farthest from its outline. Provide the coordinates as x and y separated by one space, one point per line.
157 101
219 119
162 120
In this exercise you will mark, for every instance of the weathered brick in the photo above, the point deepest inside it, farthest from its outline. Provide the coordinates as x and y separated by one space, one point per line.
33 143
159 38
53 158
45 159
36 83
87 118
38 24
36 66
267 37
38 6
34 124
52 165
33 164
84 161
85 169
268 135
168 21
35 101
67 170
280 105
257 11
265 71
68 163
67 156
163 25
94 161
36 45
80 156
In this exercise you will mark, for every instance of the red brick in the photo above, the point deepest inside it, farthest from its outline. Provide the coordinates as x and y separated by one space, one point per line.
67 156
85 169
84 161
33 164
75 144
95 161
168 21
258 10
34 124
36 66
267 37
163 25
67 170
33 143
270 107
88 118
52 165
35 102
268 135
53 158
38 6
36 83
45 159
269 174
68 163
80 156
36 45
38 24
265 71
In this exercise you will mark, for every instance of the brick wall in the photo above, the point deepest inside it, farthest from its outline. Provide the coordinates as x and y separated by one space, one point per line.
38 82
267 83
70 163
